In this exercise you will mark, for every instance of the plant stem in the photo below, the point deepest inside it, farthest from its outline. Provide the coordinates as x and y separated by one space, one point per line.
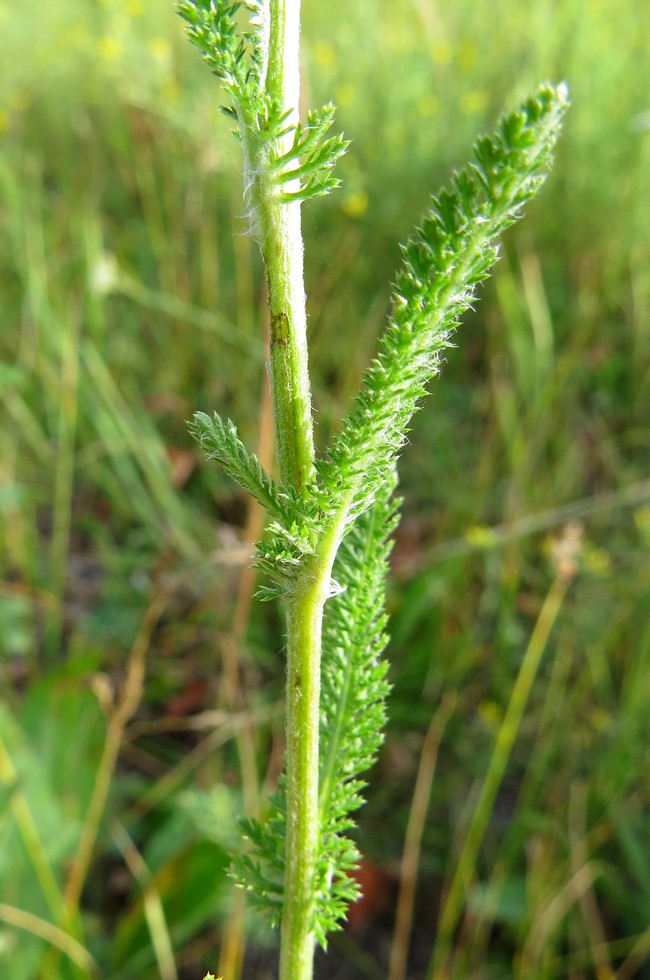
276 225
304 627
304 635
290 387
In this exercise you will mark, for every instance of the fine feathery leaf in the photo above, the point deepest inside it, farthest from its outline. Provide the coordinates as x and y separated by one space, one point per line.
311 157
233 55
237 58
220 441
284 550
448 256
353 694
296 523
259 870
354 689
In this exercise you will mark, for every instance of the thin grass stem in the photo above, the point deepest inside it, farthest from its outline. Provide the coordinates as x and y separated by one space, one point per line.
413 839
129 699
506 736
61 940
153 906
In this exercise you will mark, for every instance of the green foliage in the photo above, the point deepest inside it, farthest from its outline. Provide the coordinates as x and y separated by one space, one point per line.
352 719
260 869
219 440
450 253
353 696
311 157
237 58
48 753
295 523
545 405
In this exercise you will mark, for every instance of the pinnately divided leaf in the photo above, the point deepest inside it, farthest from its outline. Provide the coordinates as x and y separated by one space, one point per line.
259 870
283 553
296 523
233 55
311 157
450 253
236 57
220 441
448 256
353 693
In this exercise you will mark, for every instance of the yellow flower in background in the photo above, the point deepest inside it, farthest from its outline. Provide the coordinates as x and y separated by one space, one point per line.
473 102
442 52
481 536
110 48
20 100
355 204
596 560
467 53
134 8
160 50
345 94
601 721
15 103
325 55
76 38
170 90
398 38
428 105
642 521
490 713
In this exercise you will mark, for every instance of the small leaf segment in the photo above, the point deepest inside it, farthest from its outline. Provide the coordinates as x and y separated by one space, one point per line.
449 254
352 717
343 518
298 168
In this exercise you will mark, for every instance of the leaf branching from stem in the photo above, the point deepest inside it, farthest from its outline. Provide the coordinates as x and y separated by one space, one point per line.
306 551
237 57
450 253
352 718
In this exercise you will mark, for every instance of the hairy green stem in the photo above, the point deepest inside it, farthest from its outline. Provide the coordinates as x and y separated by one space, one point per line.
304 630
300 860
276 225
282 251
304 640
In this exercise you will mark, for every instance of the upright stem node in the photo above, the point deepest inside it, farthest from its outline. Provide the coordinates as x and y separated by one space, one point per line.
276 223
282 251
305 854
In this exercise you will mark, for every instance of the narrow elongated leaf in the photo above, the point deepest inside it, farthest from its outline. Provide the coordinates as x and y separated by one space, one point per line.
353 694
450 253
220 440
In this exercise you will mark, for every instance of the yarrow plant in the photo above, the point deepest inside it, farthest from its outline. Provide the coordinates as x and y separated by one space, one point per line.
330 519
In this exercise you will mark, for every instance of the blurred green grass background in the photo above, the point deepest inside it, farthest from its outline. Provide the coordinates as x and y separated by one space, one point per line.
132 296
